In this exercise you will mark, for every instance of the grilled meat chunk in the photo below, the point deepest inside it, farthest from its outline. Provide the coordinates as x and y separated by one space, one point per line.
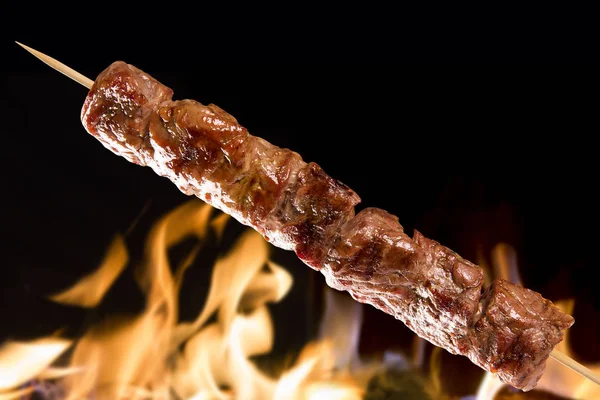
513 333
296 206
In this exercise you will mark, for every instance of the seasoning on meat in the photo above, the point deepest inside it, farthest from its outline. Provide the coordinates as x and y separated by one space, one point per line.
296 206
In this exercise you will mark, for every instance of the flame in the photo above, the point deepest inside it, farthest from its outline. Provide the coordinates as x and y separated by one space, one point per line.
315 377
561 380
154 355
341 326
330 367
557 378
91 289
22 361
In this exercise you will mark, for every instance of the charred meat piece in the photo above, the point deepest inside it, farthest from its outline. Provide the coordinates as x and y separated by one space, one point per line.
420 282
296 206
123 102
514 332
318 205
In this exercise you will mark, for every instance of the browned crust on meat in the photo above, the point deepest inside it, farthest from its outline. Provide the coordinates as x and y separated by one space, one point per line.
296 206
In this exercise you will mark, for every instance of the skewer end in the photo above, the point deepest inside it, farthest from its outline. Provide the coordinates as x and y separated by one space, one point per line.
23 46
30 50
575 366
60 67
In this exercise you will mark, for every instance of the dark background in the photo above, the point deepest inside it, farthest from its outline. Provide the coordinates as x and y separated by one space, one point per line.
469 154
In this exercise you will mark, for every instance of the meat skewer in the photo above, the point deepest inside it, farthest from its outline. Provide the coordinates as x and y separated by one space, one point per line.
295 205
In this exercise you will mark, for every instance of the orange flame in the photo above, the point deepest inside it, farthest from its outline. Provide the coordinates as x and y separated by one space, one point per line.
154 356
91 289
23 361
557 378
562 381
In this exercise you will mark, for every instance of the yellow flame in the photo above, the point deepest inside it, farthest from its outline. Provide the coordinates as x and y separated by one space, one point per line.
23 361
217 355
562 381
504 260
314 378
490 386
132 352
16 394
435 367
91 289
341 326
219 223
154 356
333 391
557 379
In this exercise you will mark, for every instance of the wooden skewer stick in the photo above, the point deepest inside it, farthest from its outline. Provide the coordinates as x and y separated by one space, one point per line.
76 76
575 366
60 67
505 264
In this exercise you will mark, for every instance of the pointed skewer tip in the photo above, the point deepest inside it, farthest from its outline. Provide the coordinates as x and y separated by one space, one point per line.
60 67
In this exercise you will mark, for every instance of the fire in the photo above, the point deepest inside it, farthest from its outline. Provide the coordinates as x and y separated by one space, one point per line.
562 381
20 362
557 379
91 289
153 355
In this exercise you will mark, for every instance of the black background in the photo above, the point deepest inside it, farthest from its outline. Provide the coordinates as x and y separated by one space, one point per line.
470 154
